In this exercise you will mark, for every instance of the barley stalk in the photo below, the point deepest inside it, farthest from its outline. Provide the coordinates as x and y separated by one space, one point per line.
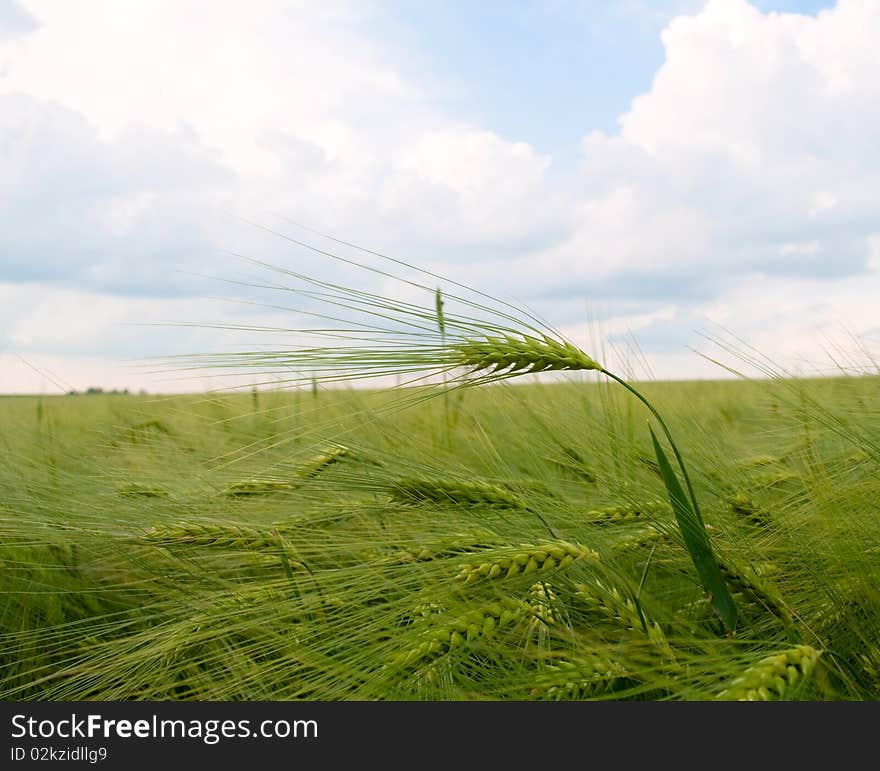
574 463
627 512
197 534
514 355
870 664
327 457
544 602
576 678
134 490
447 491
461 630
257 487
772 677
649 536
218 536
749 587
609 602
774 478
464 544
742 504
526 559
759 461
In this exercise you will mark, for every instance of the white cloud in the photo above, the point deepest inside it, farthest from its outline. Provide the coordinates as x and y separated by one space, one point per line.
874 258
36 316
799 247
301 110
741 187
228 71
754 152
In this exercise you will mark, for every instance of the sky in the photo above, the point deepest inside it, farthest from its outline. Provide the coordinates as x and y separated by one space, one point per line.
649 177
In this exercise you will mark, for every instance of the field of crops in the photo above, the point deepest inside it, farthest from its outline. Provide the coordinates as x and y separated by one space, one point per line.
507 542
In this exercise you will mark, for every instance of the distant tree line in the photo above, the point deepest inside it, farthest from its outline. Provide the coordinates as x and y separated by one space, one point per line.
95 390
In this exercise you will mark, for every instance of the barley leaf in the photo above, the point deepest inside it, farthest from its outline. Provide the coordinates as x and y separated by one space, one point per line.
696 540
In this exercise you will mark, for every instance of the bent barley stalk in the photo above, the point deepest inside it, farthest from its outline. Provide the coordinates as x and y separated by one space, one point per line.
474 352
507 355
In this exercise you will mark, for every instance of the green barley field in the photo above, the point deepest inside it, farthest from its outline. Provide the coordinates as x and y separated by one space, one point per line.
510 541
